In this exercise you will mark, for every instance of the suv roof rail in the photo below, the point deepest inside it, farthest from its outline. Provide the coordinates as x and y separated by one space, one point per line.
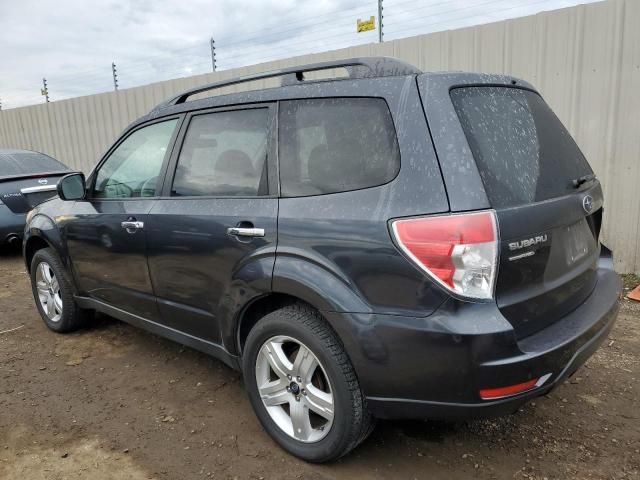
356 68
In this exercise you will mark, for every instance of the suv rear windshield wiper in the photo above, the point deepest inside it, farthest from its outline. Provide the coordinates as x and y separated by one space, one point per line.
583 179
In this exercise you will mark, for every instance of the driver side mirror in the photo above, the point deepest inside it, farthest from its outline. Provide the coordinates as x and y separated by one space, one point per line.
72 187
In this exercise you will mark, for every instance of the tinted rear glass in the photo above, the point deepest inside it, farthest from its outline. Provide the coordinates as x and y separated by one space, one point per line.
25 163
333 145
523 152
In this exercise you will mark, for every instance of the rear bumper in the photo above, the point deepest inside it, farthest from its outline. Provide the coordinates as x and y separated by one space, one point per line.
11 224
434 367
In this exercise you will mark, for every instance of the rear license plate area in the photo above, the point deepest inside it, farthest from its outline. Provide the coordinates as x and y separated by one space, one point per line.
578 238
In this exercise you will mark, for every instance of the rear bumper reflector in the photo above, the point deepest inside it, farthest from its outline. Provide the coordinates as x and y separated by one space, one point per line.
509 390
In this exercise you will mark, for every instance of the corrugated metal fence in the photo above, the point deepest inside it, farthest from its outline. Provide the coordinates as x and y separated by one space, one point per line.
585 60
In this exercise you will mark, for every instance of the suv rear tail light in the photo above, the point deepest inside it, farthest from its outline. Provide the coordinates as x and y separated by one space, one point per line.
459 251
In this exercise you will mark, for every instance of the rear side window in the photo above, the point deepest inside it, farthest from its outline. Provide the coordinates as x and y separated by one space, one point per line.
522 150
336 144
224 154
25 163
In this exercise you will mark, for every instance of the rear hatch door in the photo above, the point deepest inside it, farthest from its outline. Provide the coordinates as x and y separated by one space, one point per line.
500 146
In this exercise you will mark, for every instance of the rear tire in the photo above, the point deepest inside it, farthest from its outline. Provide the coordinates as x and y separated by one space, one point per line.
53 294
293 350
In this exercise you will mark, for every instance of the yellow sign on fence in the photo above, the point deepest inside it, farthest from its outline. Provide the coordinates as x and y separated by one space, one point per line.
366 25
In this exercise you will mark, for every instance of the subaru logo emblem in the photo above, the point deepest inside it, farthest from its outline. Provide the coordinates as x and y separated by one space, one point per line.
587 203
43 181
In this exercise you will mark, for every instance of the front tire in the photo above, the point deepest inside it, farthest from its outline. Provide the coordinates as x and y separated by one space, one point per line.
303 387
53 294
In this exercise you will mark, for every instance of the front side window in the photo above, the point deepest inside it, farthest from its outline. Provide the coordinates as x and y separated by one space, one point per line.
330 145
133 168
224 154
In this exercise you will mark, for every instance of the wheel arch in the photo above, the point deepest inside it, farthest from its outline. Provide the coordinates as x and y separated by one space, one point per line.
31 246
257 309
42 232
301 280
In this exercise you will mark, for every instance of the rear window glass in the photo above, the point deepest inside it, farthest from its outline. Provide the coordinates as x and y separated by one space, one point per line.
523 152
26 163
336 144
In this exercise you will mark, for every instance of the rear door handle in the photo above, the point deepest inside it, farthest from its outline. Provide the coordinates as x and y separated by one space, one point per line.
245 232
132 225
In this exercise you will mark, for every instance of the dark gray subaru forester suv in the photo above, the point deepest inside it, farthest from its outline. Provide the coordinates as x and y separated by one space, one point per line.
386 244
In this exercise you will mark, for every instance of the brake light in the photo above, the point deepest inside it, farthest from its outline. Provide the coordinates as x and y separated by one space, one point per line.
460 252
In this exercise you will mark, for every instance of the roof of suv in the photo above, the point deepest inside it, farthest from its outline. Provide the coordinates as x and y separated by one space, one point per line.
356 68
366 67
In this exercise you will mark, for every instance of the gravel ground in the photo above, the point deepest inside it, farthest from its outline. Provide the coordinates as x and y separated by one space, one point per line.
114 402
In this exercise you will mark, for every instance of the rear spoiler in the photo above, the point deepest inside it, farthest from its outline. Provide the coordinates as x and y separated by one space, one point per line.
27 176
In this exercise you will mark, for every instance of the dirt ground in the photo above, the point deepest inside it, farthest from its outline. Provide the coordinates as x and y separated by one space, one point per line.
114 402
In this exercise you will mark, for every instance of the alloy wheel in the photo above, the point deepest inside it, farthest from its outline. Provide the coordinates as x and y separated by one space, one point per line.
295 389
49 293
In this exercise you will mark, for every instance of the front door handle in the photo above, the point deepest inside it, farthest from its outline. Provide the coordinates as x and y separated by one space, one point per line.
131 225
245 232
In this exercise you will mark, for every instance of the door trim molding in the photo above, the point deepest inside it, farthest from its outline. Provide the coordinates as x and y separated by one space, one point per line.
210 348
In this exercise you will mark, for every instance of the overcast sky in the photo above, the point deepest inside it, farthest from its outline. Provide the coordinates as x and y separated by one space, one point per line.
73 42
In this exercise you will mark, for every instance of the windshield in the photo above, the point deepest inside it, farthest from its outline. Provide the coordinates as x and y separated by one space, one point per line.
522 150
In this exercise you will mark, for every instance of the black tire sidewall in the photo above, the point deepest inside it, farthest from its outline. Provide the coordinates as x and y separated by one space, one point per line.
338 439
